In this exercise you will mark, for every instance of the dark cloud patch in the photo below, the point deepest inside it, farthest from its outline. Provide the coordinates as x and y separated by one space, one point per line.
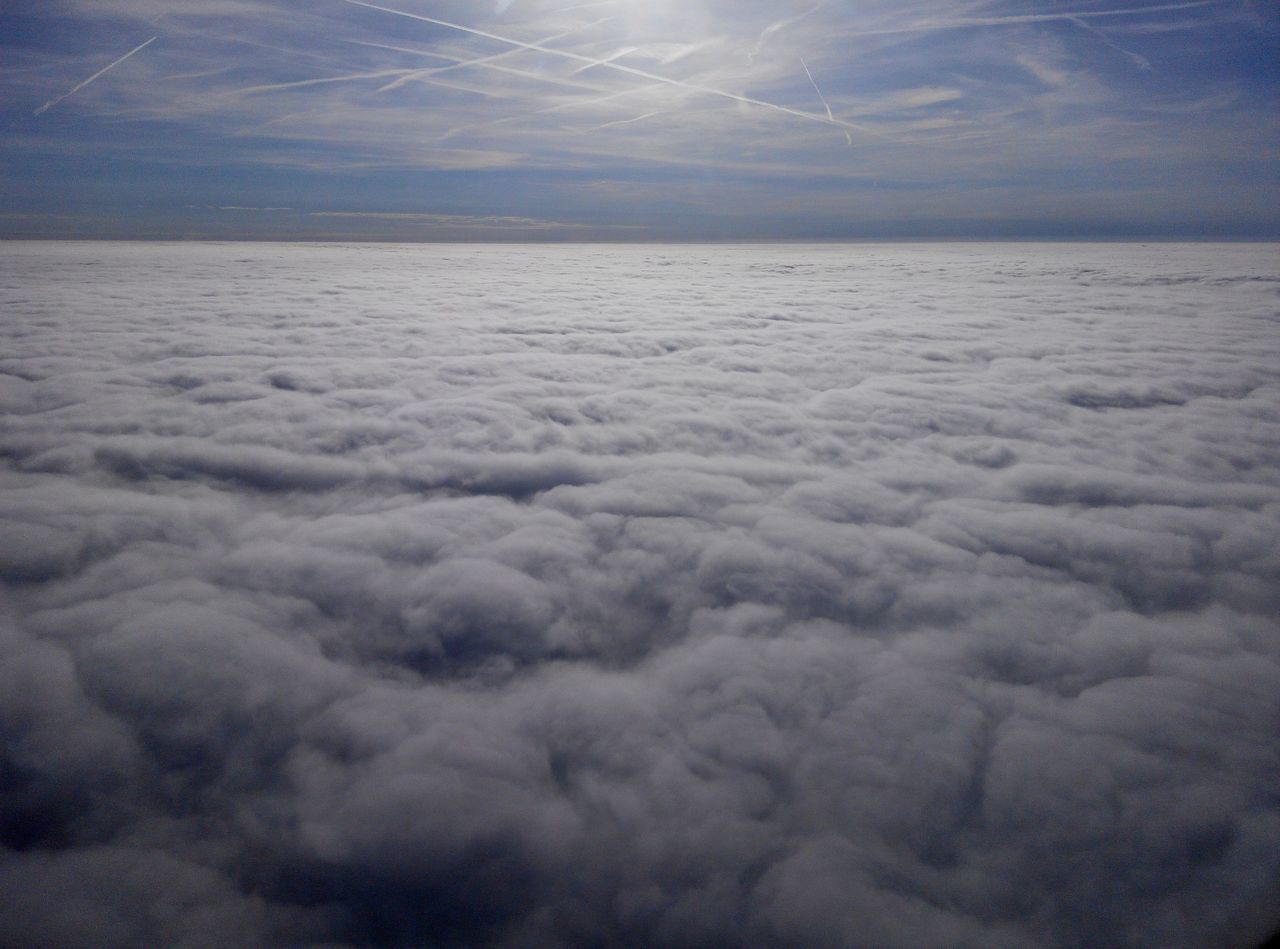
748 596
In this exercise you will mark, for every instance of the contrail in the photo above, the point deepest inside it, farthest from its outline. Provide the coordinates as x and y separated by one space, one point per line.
1140 61
629 70
487 62
638 118
825 103
417 74
471 90
813 83
323 81
74 89
1066 15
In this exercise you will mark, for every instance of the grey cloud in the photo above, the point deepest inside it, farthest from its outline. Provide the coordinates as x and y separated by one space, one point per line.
835 595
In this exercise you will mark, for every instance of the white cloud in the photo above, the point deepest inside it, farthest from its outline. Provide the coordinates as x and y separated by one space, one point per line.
770 595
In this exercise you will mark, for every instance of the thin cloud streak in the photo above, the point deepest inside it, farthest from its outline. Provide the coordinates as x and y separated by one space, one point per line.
101 72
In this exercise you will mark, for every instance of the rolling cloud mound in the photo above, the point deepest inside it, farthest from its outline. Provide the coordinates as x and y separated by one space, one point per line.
684 596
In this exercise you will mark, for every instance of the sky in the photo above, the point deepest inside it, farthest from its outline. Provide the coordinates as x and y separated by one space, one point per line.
630 120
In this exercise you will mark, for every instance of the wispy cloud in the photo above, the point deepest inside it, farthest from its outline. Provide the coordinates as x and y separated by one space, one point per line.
779 25
567 105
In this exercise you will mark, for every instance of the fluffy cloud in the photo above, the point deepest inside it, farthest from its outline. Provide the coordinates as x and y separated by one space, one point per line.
841 595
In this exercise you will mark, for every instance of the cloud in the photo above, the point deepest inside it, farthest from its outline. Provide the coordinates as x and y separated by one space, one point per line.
922 595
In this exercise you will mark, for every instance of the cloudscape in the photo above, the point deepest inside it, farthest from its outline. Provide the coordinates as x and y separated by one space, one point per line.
546 474
631 119
843 595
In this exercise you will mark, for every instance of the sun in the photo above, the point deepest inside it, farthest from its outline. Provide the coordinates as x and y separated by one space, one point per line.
658 20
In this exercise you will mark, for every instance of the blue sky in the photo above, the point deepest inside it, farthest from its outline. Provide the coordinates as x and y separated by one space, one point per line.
630 120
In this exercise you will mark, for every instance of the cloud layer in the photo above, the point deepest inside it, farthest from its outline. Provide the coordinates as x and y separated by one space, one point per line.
829 595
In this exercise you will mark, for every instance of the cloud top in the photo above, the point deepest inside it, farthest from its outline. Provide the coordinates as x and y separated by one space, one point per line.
917 595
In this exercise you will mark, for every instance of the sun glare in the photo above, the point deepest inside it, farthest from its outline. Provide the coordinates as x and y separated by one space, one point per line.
657 19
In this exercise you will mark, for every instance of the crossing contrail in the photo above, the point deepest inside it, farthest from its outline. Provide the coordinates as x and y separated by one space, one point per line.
629 70
74 89
410 77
